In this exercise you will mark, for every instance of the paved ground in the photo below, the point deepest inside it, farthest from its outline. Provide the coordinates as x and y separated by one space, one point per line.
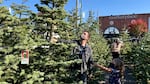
129 78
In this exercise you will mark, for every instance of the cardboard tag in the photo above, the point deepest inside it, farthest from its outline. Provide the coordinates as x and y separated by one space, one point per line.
25 57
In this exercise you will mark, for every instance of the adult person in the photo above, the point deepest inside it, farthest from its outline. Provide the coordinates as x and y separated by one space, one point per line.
84 52
116 48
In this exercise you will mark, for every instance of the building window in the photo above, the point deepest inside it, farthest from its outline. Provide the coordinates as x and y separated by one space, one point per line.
111 30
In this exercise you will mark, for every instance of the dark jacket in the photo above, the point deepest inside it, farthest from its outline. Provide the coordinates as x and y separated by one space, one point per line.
85 54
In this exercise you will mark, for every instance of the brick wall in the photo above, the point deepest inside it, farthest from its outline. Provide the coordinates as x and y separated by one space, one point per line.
120 21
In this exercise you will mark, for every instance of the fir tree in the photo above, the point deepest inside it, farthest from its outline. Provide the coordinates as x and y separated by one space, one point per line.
54 60
72 19
140 58
52 14
21 11
15 37
127 45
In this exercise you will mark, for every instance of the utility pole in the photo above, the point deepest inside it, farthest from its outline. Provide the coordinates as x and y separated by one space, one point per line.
77 18
80 11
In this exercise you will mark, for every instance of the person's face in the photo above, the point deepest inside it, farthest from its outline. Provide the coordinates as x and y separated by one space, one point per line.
85 36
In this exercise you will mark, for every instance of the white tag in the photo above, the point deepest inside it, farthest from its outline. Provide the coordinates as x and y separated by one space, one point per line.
25 61
25 57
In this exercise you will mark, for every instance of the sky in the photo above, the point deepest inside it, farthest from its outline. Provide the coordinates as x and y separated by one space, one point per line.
99 7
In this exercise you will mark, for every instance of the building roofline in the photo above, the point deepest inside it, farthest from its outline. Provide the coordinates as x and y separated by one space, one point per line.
126 14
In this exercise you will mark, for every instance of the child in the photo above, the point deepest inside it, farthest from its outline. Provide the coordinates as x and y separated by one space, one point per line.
116 48
115 69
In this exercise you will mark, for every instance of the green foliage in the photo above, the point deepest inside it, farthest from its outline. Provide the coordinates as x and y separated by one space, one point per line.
47 65
20 10
127 44
51 63
137 53
72 19
15 37
100 48
140 56
52 14
6 19
101 54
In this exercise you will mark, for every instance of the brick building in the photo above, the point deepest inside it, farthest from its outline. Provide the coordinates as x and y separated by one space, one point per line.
116 24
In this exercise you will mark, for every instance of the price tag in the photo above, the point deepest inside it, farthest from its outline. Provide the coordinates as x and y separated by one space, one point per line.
25 57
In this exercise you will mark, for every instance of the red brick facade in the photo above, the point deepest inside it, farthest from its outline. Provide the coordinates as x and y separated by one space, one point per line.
121 21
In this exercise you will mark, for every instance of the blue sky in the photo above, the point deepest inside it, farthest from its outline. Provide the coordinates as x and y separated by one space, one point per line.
114 7
100 7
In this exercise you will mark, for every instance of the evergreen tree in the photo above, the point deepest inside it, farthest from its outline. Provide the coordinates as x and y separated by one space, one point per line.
140 58
54 60
21 11
52 14
88 25
15 37
127 45
72 19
